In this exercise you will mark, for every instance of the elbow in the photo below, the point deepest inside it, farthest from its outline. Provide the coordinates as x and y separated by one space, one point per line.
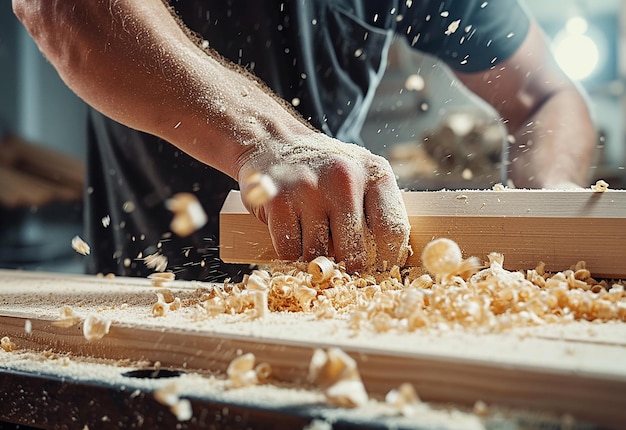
30 14
20 8
51 24
36 17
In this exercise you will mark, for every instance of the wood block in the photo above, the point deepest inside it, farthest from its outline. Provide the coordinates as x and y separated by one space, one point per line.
557 227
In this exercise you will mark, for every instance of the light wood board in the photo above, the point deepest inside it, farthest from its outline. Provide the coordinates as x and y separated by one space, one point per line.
576 368
558 228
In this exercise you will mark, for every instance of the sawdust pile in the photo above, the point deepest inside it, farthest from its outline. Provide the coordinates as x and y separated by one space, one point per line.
448 292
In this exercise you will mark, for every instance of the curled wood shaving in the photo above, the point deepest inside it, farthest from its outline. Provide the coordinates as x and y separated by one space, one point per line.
189 215
600 186
336 373
259 188
80 246
7 344
95 327
242 371
67 318
170 396
165 302
156 261
160 279
404 399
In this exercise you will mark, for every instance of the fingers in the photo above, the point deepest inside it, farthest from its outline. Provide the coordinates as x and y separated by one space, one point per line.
315 234
284 226
351 238
388 221
359 219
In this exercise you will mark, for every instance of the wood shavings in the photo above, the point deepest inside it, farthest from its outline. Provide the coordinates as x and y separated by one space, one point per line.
156 261
337 374
480 408
189 216
7 344
259 188
258 280
242 371
170 396
80 246
320 269
95 328
442 257
459 293
600 186
404 399
67 318
453 27
323 308
305 296
159 279
28 327
165 302
259 304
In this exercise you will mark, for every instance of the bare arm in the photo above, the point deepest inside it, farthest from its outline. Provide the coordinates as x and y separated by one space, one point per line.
553 135
131 60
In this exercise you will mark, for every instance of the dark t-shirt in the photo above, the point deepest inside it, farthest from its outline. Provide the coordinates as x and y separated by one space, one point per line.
327 54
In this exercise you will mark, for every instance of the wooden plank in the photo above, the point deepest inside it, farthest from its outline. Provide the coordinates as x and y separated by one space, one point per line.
33 175
20 189
583 375
558 228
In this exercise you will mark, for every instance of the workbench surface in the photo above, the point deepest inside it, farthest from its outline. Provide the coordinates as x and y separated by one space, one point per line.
574 370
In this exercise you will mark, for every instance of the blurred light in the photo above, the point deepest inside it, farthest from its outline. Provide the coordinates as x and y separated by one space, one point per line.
576 25
575 50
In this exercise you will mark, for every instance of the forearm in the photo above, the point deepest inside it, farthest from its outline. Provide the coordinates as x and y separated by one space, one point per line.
552 133
132 61
555 145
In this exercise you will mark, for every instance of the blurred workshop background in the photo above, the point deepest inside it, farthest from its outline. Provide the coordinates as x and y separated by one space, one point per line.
434 133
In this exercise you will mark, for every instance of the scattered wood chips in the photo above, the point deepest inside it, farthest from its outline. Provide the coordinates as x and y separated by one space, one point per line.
456 293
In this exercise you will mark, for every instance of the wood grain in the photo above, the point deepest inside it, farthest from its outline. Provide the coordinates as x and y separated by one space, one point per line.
576 369
558 228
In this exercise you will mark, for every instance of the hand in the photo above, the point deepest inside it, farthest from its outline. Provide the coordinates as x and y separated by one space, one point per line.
333 198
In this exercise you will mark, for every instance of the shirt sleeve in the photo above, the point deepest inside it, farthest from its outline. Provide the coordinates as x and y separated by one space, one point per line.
468 35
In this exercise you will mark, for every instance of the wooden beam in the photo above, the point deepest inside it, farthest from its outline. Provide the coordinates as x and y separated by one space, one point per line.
32 175
572 368
558 228
42 162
